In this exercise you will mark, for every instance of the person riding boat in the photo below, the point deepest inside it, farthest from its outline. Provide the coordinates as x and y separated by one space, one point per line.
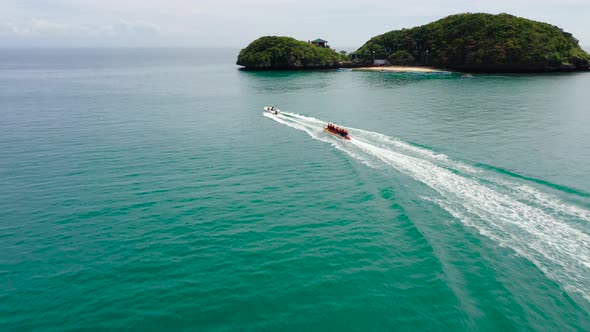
339 131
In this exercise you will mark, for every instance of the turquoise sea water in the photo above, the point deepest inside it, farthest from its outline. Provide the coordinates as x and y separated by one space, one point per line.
145 190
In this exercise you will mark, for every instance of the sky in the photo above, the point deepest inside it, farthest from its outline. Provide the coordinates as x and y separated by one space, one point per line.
346 24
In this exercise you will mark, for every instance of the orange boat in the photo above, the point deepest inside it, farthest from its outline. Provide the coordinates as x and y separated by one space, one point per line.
337 131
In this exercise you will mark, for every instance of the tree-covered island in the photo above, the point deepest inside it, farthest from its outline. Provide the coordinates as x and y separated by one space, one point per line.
465 42
481 42
273 52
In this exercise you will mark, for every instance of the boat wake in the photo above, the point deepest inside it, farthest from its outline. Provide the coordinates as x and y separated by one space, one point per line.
550 233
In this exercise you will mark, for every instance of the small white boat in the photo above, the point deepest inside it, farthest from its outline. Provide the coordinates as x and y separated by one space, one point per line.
272 110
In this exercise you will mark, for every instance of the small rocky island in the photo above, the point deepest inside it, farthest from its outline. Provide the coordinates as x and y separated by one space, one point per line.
272 52
463 42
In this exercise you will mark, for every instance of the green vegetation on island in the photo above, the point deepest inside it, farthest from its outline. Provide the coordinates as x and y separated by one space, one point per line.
272 52
480 42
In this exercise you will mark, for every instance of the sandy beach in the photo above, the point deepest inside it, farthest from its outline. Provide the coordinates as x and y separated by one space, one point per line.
402 69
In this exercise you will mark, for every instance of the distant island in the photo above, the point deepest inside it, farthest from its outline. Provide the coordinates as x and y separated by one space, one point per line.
481 42
272 52
465 42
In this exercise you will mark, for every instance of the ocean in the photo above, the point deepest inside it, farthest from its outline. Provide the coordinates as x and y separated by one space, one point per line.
145 190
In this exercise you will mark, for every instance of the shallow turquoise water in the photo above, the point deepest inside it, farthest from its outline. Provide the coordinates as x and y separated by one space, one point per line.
145 190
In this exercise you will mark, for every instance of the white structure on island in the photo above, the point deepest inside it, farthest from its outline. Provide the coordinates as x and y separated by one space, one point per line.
320 43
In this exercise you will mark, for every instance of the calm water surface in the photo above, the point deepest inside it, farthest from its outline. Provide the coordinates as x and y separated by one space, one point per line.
145 190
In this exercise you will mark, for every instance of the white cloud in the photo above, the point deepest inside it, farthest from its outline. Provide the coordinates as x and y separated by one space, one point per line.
33 26
129 28
237 22
39 27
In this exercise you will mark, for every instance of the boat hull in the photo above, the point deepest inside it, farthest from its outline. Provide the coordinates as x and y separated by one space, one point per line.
268 109
347 137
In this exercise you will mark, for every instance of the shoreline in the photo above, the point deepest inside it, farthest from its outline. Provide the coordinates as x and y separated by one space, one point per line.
402 69
417 69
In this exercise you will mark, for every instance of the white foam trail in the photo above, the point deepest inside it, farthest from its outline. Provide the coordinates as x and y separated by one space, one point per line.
516 216
314 128
388 142
558 249
551 202
380 138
